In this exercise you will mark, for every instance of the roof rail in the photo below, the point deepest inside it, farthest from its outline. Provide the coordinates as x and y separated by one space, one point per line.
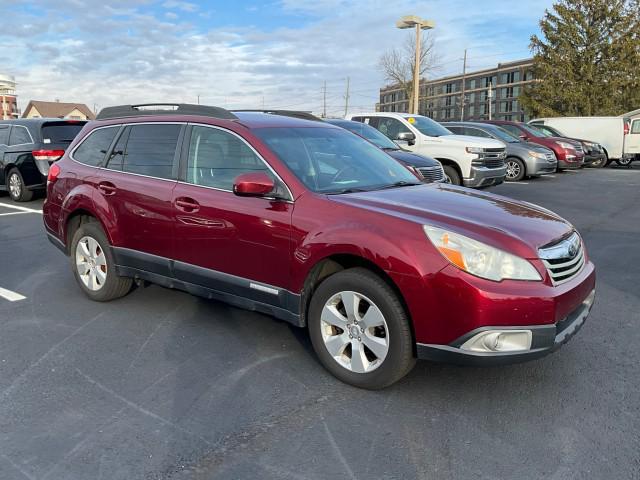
287 113
146 109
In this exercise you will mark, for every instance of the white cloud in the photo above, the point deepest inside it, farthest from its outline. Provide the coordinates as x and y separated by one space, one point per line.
120 53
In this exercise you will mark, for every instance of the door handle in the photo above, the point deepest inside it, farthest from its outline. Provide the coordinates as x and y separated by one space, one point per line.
107 188
187 204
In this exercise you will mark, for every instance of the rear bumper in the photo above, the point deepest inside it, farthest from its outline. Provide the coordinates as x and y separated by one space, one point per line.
485 177
545 340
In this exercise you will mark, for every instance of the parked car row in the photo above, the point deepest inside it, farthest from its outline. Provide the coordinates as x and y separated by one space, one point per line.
312 224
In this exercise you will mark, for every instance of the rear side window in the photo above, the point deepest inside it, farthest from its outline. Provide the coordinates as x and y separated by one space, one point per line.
151 150
455 130
512 129
60 132
4 134
19 136
93 149
475 132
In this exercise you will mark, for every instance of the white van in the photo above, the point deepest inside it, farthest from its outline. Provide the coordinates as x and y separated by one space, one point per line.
619 136
469 161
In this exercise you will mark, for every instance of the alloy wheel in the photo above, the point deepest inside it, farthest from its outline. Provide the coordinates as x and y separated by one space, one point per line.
513 169
91 263
354 332
15 185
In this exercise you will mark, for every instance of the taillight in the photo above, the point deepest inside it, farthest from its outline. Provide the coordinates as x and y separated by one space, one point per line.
49 155
626 128
54 171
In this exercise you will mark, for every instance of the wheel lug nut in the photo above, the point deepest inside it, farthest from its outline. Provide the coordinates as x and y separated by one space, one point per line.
359 339
351 336
362 329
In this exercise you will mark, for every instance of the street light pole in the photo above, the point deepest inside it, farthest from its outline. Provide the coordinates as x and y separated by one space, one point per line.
410 21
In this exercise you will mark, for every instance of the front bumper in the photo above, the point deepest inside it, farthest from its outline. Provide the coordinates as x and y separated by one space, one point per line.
485 177
545 340
540 166
572 164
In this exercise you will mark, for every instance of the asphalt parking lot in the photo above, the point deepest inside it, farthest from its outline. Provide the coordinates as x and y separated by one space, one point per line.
161 384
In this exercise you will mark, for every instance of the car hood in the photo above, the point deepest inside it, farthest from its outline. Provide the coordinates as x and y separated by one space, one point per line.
413 158
468 141
534 146
518 227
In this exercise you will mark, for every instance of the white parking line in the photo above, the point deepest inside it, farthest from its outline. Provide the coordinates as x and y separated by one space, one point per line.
13 213
518 183
11 296
23 209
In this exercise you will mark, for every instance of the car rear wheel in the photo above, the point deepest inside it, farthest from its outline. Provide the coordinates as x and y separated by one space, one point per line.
452 175
93 265
515 169
360 330
17 189
625 161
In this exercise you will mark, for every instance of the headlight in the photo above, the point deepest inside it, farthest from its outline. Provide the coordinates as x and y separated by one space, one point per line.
475 150
479 259
567 145
535 154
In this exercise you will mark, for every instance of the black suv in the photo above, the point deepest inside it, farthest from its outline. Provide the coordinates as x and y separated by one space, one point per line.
27 148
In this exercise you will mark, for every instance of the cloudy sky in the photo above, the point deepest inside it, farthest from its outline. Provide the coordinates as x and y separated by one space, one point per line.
241 54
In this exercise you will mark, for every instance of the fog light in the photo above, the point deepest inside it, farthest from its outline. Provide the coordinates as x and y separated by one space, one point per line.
499 341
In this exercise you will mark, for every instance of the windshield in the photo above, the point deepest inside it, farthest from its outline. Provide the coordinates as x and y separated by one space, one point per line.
532 131
505 136
367 131
428 127
331 160
549 131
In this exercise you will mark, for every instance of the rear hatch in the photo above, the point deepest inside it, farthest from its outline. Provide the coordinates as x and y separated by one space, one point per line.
55 138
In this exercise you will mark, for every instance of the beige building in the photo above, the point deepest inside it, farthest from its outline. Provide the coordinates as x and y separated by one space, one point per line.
8 98
490 93
73 111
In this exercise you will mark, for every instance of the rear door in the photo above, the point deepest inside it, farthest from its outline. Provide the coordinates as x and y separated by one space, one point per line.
632 142
135 191
236 245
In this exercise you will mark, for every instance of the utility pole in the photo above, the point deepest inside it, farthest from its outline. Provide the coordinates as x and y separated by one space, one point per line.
464 81
346 99
490 96
324 100
198 99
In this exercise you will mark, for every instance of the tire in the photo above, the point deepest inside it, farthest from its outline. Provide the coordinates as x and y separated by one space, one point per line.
389 332
516 169
624 162
452 174
108 286
16 187
603 162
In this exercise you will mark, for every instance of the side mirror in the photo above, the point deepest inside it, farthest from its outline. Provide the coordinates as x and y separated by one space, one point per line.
256 184
408 137
523 137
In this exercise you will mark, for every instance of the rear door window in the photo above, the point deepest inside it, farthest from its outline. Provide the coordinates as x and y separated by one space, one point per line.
4 134
19 136
60 132
476 132
512 129
94 148
151 150
455 130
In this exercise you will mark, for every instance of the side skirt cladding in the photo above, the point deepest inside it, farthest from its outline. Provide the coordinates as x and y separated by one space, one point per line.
211 284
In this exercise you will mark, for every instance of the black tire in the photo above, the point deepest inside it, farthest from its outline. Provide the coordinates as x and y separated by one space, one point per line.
603 162
114 286
22 194
452 173
624 162
399 358
519 166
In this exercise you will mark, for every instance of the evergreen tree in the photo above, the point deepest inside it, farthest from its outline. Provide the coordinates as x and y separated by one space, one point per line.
587 60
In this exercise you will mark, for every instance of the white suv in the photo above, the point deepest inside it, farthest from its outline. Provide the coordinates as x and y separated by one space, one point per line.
468 161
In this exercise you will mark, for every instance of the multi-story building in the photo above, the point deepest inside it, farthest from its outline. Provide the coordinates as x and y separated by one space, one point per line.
8 98
491 93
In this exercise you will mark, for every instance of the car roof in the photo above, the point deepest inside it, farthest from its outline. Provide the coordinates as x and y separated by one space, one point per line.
471 124
38 121
263 120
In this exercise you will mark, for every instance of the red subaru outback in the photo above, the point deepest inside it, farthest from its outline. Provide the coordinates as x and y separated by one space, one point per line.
314 225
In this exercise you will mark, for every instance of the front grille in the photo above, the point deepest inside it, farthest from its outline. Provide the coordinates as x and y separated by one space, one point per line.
551 157
563 260
579 148
432 174
491 158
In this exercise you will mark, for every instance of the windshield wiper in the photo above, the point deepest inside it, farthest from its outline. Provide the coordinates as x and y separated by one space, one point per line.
401 183
347 190
390 148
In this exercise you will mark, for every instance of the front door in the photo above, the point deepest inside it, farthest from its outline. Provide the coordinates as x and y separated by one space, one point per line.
632 142
239 246
136 188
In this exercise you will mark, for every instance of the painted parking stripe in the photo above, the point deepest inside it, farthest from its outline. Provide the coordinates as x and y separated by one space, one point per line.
23 209
13 213
11 296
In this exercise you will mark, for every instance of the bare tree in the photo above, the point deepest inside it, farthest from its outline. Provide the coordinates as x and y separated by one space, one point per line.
398 64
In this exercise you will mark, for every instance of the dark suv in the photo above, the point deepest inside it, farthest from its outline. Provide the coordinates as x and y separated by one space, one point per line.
314 225
27 148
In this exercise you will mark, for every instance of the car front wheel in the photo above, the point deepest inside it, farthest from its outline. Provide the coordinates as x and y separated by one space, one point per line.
515 170
93 264
360 330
